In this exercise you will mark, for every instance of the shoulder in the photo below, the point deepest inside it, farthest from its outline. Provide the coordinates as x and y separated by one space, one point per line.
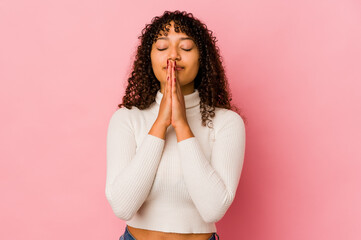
223 114
226 117
125 112
124 115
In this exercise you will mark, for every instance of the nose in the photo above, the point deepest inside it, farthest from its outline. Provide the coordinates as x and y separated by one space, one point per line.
174 54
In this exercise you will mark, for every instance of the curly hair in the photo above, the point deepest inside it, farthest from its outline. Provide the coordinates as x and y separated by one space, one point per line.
211 80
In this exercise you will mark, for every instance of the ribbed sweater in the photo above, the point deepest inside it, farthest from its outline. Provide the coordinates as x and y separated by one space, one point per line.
170 186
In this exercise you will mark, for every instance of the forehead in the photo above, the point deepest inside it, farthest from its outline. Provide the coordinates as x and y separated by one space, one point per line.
174 36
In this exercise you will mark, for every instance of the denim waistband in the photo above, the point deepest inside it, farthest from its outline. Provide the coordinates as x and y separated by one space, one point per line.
128 236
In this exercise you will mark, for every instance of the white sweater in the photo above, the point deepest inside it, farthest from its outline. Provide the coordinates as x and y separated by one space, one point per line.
170 186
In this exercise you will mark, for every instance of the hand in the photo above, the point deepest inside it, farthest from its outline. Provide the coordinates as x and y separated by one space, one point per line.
165 108
172 106
179 117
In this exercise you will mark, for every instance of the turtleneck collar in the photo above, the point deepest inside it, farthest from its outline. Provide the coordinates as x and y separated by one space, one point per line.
192 101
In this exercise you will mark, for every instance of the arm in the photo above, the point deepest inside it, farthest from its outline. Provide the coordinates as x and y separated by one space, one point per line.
129 173
212 185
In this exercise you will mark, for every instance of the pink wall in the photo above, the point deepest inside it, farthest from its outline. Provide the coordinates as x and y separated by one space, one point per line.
294 69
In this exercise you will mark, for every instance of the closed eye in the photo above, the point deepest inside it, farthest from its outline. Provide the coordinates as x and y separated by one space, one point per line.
182 49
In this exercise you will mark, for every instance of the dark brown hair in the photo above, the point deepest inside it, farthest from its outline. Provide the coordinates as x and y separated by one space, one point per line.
211 80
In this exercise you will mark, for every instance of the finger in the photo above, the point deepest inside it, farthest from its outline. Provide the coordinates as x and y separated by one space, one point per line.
174 86
176 81
168 81
165 90
177 85
175 72
179 90
165 85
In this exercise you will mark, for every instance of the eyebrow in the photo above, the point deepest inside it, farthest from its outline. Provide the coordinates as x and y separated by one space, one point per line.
182 38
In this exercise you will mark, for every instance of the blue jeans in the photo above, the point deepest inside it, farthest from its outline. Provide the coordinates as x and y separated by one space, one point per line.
128 236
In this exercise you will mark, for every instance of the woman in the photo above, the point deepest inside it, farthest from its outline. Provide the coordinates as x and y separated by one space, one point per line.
169 174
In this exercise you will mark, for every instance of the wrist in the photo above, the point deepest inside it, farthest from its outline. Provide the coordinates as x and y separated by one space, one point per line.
183 131
182 126
160 124
158 129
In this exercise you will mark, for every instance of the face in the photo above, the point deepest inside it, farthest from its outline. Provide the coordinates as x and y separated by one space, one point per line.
180 48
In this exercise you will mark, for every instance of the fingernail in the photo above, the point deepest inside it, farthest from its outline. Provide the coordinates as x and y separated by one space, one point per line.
167 62
174 79
167 78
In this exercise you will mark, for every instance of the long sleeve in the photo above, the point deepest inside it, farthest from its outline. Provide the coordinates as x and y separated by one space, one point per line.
212 185
129 173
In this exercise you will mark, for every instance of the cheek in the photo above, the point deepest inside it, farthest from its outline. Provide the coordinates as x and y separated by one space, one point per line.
194 59
195 64
157 60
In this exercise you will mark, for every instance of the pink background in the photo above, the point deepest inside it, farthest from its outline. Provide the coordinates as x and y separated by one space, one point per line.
294 70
